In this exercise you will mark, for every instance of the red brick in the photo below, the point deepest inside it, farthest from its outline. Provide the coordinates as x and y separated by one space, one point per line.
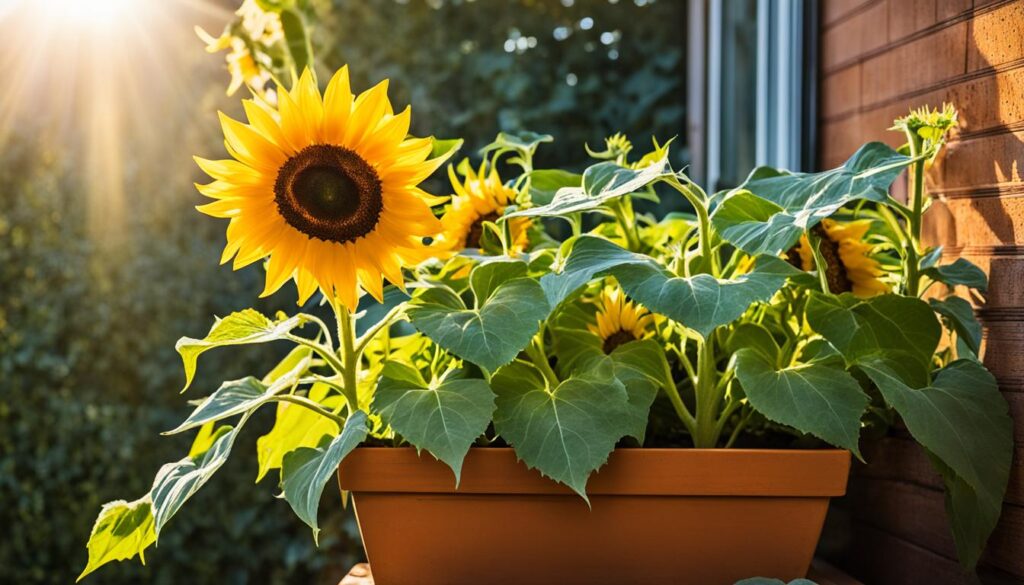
946 9
906 17
855 36
997 37
984 161
927 61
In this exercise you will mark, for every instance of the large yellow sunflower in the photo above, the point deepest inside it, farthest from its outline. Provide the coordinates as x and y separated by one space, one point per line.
481 197
326 188
619 320
851 268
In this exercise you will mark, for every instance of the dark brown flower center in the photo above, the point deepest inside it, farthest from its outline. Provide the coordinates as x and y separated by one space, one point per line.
330 193
620 337
476 229
835 272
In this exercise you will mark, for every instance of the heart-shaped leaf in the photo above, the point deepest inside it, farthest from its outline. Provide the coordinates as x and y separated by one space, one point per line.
961 419
902 330
565 432
442 418
490 335
817 399
772 208
306 471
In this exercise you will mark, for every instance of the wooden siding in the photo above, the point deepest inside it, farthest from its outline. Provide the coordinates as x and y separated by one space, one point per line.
879 58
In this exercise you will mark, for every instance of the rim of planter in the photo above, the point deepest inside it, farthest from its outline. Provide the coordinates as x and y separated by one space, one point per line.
629 472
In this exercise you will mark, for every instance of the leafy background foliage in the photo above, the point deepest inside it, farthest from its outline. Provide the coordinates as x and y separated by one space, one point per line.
88 320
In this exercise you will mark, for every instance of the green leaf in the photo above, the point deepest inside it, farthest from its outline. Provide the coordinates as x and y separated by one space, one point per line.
772 208
233 397
961 272
701 302
122 530
296 426
960 315
961 419
306 471
241 328
296 38
641 367
487 277
445 147
901 330
443 418
546 182
601 183
820 400
566 432
524 142
176 482
754 337
490 335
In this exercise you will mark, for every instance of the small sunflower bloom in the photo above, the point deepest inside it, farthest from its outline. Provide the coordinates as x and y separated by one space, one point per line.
850 265
326 189
480 198
619 320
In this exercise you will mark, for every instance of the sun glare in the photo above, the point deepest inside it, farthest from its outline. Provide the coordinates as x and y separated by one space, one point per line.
94 14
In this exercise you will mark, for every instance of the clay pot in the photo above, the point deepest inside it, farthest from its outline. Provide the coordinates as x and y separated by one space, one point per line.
656 516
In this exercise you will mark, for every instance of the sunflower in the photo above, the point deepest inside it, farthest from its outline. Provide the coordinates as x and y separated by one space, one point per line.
850 266
326 189
619 320
481 197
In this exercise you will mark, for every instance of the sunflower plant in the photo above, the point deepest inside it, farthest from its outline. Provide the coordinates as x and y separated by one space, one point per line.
796 308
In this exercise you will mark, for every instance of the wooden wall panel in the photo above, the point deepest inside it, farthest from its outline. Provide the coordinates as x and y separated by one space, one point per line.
880 58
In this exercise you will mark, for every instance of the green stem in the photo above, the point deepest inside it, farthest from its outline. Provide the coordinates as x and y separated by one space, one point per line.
540 359
349 357
391 316
736 430
323 351
306 402
628 227
708 395
819 261
699 203
916 211
672 391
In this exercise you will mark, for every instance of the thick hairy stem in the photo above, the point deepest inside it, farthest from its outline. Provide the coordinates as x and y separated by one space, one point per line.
622 215
916 211
709 396
307 403
700 206
669 385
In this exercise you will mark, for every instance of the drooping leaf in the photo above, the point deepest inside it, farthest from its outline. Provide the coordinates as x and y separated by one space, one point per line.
902 330
306 471
523 142
960 315
546 182
816 399
566 432
296 426
960 272
601 183
244 327
489 335
961 419
233 397
122 530
176 482
442 418
772 208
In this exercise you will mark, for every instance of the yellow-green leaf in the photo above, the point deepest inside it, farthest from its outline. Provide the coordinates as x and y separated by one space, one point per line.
122 530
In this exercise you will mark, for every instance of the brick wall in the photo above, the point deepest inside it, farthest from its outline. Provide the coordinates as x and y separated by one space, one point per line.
879 58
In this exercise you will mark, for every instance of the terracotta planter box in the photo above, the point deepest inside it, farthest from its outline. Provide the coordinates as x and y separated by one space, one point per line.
657 516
